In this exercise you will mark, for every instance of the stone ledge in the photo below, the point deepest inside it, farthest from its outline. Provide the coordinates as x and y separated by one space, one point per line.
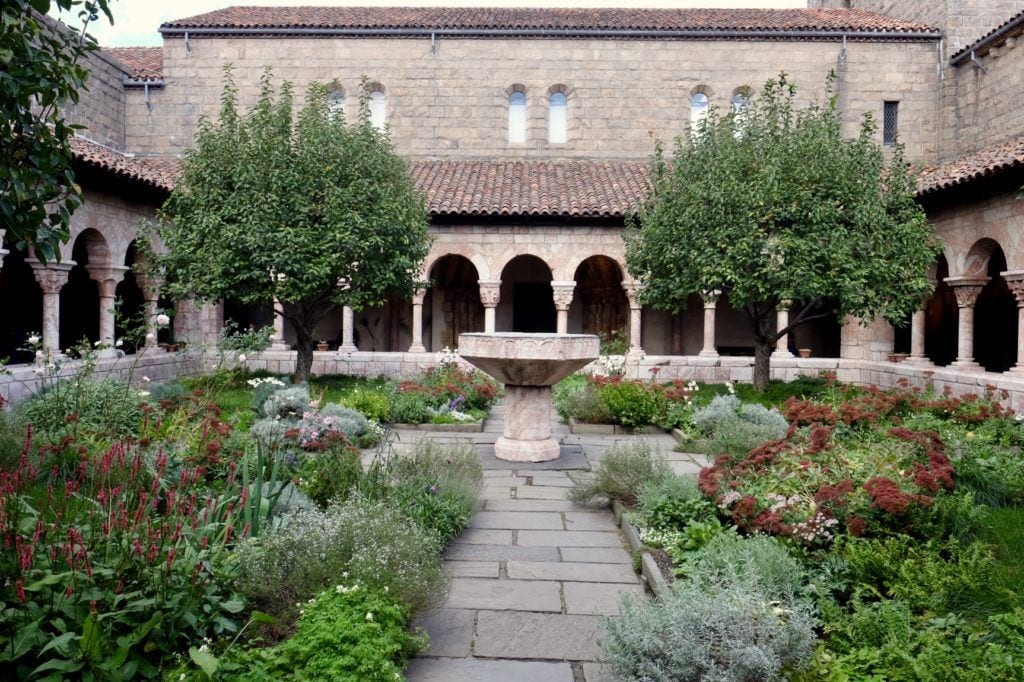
462 427
584 428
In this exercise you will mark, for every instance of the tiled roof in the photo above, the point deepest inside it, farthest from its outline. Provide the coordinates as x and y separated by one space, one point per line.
531 188
1012 26
141 63
984 163
155 173
492 19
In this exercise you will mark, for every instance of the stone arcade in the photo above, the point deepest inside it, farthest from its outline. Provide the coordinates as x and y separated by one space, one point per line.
529 133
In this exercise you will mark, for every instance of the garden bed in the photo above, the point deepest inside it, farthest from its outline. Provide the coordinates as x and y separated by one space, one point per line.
584 428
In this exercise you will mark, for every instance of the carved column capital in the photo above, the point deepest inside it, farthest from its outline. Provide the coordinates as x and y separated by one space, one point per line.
490 292
417 298
107 276
562 293
1015 281
150 287
710 298
51 276
632 289
966 289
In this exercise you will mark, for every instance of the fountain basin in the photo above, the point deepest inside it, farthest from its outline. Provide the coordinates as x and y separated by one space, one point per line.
528 365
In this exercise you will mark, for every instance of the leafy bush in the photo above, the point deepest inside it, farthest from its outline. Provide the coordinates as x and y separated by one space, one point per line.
633 403
620 475
368 540
79 406
373 404
329 475
720 410
263 388
12 439
168 391
735 428
346 420
732 633
587 406
759 562
287 403
672 503
269 432
409 407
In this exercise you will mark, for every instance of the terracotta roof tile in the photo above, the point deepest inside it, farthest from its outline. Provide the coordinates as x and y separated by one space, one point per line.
981 164
562 19
156 173
141 63
531 188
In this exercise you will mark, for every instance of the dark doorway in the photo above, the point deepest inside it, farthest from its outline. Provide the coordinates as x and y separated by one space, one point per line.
533 307
940 336
995 319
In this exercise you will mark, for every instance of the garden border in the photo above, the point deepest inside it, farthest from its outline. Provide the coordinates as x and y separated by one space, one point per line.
584 428
649 569
474 427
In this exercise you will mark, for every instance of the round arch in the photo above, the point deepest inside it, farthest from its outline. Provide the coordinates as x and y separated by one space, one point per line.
527 303
995 317
940 317
22 302
80 297
452 304
599 303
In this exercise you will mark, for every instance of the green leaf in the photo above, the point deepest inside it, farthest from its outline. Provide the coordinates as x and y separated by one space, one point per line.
260 617
59 643
91 636
23 641
233 605
60 665
206 661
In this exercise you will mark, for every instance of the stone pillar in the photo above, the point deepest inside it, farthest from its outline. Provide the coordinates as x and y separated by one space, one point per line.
3 251
781 322
150 295
417 322
710 304
966 290
51 277
490 294
562 292
917 328
348 328
1015 280
277 340
107 277
635 319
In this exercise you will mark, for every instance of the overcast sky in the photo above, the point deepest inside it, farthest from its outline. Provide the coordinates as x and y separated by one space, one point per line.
136 21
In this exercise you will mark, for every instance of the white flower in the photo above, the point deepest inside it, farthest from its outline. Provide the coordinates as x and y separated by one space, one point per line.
40 356
369 615
119 343
149 336
204 648
145 379
34 339
241 357
162 320
181 676
40 371
97 344
143 394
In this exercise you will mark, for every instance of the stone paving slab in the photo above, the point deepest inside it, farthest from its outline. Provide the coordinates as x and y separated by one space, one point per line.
589 521
585 599
518 504
572 457
569 538
484 593
599 672
518 520
473 569
540 492
566 570
596 555
450 632
484 536
501 553
477 670
515 634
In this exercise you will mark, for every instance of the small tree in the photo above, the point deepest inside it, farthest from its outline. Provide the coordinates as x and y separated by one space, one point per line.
773 204
41 73
309 212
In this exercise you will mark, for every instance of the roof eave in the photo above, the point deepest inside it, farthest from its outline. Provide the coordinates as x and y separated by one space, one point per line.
988 41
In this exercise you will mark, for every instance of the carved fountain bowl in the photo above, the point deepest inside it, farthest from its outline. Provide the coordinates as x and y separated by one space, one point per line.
524 359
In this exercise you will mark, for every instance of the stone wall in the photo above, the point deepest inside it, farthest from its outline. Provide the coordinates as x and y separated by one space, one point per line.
961 225
101 107
115 217
623 95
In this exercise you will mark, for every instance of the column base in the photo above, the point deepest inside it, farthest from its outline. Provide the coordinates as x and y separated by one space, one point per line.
922 361
782 354
150 350
966 366
708 353
417 348
279 346
106 353
527 450
348 349
1017 370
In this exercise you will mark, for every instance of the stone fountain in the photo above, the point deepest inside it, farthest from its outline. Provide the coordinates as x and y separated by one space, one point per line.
528 365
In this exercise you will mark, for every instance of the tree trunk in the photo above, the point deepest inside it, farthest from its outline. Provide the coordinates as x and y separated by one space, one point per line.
764 344
304 346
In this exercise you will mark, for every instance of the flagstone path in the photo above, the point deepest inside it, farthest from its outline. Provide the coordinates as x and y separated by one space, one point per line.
533 574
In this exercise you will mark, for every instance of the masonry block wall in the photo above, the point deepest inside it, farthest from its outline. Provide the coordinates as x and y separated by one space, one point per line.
101 109
623 95
115 217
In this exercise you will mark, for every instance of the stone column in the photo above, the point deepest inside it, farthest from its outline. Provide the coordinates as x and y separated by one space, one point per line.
490 294
150 295
635 319
917 329
417 322
1015 280
710 304
966 290
781 322
348 329
562 292
277 340
51 277
107 277
3 251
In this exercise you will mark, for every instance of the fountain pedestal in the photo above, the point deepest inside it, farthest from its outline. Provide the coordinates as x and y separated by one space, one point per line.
528 365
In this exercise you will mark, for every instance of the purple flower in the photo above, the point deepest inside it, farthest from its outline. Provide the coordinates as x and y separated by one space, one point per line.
433 488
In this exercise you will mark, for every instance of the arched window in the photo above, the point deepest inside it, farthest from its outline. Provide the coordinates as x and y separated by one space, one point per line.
517 117
335 103
698 110
378 109
558 118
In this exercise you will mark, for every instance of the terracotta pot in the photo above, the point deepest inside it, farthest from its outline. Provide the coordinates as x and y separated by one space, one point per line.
804 352
322 346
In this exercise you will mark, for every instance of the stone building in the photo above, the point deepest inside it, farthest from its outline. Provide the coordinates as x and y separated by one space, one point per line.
529 132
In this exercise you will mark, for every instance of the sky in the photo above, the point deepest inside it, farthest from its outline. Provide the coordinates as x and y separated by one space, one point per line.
136 21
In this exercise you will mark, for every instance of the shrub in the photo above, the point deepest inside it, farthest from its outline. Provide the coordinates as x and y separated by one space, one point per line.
79 406
621 473
168 391
373 404
760 562
12 439
263 388
287 403
672 503
721 409
368 540
735 428
408 407
737 438
269 432
329 475
586 405
732 633
633 403
346 420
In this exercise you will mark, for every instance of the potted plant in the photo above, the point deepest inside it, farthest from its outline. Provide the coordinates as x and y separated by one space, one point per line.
322 345
804 352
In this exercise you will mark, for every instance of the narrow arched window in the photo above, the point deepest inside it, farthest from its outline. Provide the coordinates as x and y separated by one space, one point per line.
335 103
517 117
698 110
558 118
378 109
